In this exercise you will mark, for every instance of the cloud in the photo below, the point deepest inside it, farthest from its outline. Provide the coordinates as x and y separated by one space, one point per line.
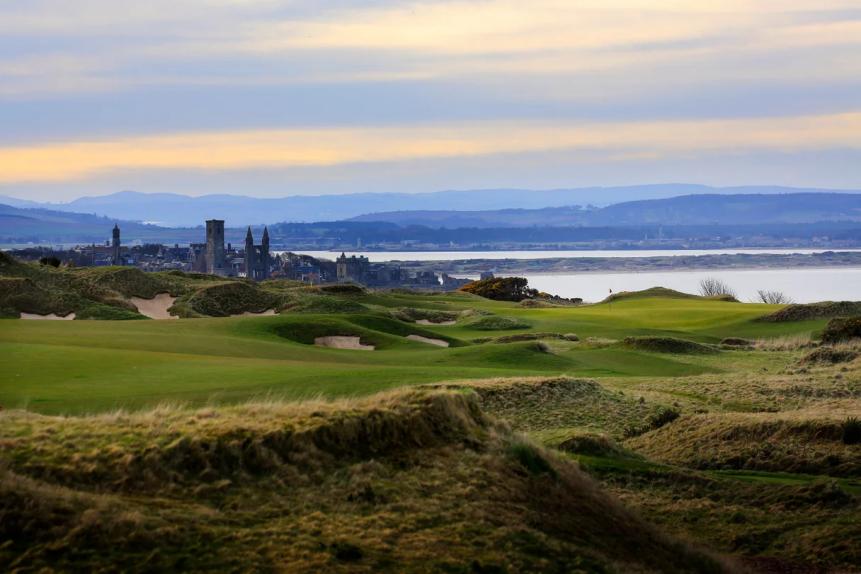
235 150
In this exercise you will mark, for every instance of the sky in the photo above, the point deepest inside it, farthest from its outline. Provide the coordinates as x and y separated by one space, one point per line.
274 98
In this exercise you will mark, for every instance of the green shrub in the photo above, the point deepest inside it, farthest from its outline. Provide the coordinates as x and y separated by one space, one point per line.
501 289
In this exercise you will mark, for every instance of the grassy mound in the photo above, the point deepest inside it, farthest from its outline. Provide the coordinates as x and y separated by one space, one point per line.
829 356
31 288
382 332
810 311
667 345
225 299
661 292
759 442
842 329
496 323
132 282
312 303
379 485
413 314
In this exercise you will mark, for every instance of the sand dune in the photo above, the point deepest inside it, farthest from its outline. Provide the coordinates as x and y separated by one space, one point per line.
155 308
428 340
340 342
48 317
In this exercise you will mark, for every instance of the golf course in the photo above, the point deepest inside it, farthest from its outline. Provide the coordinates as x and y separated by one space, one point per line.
357 430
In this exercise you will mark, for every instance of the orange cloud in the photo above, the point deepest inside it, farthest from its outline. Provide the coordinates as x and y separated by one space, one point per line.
324 147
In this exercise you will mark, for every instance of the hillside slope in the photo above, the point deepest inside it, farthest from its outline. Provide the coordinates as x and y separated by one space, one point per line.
404 482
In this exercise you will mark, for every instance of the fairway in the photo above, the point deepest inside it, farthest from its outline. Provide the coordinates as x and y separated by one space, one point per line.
91 366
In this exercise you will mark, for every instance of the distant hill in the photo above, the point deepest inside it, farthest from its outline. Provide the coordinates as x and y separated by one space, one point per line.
21 225
172 210
704 209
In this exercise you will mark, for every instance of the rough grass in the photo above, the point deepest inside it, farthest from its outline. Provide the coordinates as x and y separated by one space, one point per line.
842 329
809 444
808 311
529 337
554 409
829 356
413 314
406 482
225 299
667 345
784 343
496 323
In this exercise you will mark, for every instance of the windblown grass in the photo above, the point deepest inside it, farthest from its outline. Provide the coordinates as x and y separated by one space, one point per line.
380 484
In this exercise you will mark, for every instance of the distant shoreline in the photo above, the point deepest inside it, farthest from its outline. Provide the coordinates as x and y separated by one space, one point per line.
669 263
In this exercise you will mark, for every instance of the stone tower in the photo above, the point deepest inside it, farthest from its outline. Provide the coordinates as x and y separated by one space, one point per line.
249 254
115 246
264 251
257 256
215 247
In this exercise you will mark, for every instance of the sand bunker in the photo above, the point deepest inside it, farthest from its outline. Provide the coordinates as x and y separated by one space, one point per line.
266 313
428 322
48 317
428 340
340 342
155 308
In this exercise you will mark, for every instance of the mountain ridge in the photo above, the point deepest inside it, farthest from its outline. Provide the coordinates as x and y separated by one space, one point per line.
701 209
176 210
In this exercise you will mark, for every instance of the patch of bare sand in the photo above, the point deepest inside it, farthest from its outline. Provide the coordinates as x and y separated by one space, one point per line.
48 317
341 342
429 322
155 308
428 340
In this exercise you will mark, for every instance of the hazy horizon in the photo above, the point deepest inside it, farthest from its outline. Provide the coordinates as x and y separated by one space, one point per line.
275 99
663 190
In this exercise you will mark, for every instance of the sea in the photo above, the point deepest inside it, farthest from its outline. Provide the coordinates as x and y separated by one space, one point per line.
802 285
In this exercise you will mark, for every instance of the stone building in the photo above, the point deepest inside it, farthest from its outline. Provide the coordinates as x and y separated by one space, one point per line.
352 268
215 264
115 246
257 260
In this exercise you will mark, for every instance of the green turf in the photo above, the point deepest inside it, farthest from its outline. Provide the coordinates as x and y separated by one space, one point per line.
82 366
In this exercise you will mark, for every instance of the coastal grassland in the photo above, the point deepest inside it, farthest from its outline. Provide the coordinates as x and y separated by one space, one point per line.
738 448
408 481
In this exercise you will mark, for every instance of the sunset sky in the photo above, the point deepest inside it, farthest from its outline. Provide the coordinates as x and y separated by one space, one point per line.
273 98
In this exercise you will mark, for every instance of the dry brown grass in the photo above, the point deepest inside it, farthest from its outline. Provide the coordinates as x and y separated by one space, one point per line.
417 480
784 343
804 441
